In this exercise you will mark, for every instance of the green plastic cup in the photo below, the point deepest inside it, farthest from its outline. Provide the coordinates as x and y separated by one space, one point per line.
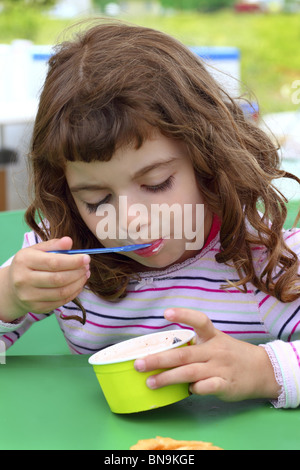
124 388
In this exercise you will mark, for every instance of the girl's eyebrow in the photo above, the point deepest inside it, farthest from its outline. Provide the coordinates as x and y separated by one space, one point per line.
85 187
96 187
153 166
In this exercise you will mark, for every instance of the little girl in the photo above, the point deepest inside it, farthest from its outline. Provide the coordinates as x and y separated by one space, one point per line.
128 113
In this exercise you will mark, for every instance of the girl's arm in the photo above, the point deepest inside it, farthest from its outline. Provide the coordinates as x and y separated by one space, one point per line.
38 281
9 313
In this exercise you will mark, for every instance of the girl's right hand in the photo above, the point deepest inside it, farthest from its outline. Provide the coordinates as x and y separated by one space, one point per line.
39 281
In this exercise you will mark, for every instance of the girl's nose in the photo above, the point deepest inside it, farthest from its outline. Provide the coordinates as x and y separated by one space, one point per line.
133 219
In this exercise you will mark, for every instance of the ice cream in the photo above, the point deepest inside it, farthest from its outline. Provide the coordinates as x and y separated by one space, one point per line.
142 346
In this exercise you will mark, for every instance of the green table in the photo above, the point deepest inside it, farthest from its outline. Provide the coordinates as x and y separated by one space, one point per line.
55 402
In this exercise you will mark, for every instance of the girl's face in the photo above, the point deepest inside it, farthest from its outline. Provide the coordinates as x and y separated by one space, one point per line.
149 195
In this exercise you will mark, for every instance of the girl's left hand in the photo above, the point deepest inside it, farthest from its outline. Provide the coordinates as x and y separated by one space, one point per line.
217 365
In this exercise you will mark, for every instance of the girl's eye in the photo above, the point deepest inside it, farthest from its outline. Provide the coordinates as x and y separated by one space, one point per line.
168 184
92 208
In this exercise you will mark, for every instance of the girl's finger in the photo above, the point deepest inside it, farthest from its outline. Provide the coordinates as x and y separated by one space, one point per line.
185 374
197 320
64 243
210 386
53 262
173 358
59 295
53 280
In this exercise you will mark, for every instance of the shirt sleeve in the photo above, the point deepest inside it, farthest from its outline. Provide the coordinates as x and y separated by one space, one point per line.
282 321
285 358
11 332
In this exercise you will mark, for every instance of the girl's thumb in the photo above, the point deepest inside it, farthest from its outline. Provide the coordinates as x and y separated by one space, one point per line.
55 244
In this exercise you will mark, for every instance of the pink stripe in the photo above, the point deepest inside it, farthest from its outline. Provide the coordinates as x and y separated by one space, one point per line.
147 327
292 235
34 317
264 300
296 353
293 331
72 347
9 339
135 326
188 287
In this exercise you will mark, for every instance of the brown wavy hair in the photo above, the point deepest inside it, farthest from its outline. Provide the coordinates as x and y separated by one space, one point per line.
111 85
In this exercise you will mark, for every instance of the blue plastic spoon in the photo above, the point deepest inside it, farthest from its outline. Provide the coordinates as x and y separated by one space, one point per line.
102 250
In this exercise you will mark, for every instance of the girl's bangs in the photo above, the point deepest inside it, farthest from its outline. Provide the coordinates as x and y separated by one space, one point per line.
96 134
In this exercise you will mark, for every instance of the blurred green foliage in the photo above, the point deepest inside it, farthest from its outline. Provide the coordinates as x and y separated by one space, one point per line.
269 43
22 18
199 5
100 4
11 5
19 20
18 23
27 3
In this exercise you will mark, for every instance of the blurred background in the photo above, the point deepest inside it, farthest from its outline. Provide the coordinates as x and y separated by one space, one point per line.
252 47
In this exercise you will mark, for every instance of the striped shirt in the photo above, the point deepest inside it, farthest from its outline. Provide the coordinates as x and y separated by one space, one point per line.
197 283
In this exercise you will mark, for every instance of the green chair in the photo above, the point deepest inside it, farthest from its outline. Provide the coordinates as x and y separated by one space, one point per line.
45 337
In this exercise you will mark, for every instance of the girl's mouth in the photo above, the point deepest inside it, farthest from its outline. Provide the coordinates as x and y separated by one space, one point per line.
151 250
